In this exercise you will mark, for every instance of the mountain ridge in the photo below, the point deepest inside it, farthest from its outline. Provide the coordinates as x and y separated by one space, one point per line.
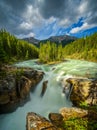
31 40
64 39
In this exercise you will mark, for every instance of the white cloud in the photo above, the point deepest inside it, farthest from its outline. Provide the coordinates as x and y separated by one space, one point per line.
25 16
82 28
32 16
25 25
64 22
82 8
51 19
31 34
77 29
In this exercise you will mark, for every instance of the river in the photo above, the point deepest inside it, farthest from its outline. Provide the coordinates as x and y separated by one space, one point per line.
54 98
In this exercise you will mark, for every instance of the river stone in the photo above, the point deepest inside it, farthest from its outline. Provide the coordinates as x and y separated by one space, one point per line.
56 119
44 87
83 90
29 73
36 122
73 112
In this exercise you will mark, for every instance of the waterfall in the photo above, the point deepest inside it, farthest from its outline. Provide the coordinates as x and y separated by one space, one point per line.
70 90
67 87
53 98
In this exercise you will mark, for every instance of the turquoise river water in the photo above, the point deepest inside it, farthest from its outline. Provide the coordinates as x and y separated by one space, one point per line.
53 98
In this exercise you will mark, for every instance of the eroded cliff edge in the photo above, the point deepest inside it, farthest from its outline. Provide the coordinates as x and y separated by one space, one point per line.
15 87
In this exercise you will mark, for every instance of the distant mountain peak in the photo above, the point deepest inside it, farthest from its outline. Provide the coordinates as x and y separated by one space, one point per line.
64 39
32 40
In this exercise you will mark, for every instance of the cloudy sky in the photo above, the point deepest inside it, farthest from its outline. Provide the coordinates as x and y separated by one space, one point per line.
45 18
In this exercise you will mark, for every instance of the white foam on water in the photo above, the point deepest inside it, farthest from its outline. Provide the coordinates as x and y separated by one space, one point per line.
54 98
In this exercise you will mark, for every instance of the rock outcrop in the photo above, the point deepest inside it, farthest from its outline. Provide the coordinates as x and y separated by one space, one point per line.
44 87
15 88
34 76
73 112
36 122
56 119
79 90
83 90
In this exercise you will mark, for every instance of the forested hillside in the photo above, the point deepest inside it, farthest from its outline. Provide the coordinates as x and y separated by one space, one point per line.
12 49
84 48
50 52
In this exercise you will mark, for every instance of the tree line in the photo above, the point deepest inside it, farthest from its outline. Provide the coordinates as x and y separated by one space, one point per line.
12 48
50 52
83 48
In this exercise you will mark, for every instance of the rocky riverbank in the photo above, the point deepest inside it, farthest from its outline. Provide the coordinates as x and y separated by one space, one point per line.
15 87
83 90
67 119
83 94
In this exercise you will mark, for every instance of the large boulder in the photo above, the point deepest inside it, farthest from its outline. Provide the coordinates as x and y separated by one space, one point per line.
36 122
44 87
56 119
23 87
73 112
83 90
34 76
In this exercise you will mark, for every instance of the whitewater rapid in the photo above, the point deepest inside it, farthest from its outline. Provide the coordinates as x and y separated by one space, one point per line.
54 98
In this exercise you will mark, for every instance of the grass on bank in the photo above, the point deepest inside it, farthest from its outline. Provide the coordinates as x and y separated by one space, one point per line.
86 123
80 124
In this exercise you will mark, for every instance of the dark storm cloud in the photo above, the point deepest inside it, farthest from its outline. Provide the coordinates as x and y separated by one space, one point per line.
54 8
61 9
92 9
92 5
13 12
16 6
10 14
69 9
3 17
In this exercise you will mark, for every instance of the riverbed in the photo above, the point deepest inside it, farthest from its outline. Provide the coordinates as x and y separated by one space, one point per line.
54 98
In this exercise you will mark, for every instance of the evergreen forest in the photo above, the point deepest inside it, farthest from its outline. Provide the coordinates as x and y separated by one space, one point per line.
83 48
13 49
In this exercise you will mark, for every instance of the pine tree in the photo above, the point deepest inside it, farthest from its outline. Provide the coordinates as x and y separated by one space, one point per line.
3 56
